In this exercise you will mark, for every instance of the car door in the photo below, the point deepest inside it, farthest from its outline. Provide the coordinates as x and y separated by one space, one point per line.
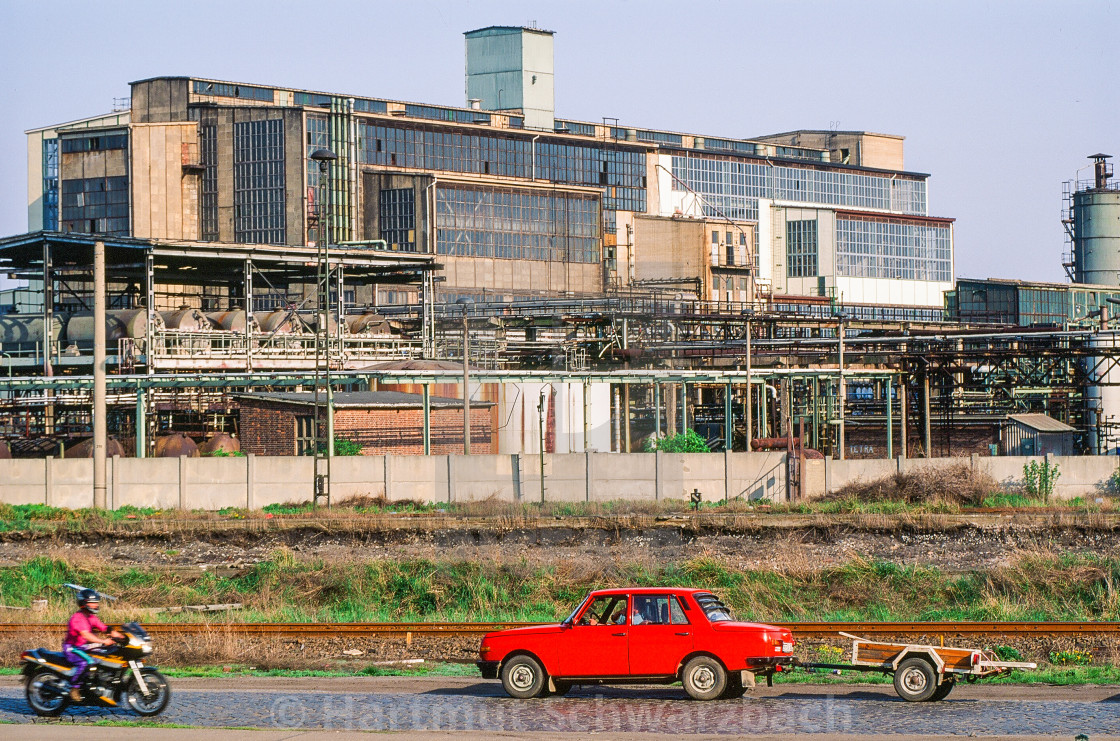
595 645
660 634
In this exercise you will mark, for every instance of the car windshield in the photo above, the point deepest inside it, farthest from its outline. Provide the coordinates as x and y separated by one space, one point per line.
575 612
716 611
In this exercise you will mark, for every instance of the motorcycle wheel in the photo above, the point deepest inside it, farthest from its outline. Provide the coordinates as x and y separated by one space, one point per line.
48 694
159 693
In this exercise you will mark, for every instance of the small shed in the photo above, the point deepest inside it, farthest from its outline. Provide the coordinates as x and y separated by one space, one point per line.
1036 434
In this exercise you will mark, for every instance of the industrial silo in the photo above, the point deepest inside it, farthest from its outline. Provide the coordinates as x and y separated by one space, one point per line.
1095 222
1094 226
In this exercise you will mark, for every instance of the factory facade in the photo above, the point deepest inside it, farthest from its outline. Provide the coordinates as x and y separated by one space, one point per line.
511 200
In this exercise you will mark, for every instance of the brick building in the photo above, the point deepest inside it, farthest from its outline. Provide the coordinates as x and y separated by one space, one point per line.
380 421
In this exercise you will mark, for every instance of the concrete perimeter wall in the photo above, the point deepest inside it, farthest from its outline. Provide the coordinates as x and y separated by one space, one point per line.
257 481
1079 475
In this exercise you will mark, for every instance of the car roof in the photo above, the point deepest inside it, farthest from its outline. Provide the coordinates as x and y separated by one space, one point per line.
647 590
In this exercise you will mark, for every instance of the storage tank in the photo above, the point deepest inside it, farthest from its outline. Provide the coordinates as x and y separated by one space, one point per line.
280 322
118 323
368 323
1102 396
185 320
26 329
1095 214
230 321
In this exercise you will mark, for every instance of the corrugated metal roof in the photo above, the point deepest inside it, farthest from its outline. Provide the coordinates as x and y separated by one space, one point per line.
1041 422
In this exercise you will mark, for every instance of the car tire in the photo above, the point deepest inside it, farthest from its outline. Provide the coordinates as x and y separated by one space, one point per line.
523 677
942 691
735 689
704 678
915 680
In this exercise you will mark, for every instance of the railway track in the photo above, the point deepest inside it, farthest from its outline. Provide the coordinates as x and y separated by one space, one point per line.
424 630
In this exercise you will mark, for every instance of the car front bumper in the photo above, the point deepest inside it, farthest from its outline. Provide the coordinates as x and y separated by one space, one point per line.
489 669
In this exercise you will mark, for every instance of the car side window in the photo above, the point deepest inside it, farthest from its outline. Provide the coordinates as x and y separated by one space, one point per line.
651 609
606 610
676 612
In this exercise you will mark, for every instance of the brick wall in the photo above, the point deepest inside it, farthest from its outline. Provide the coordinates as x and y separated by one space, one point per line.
268 428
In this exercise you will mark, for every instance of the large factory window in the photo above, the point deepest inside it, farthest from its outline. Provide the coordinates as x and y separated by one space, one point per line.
398 219
620 171
877 248
208 148
258 182
731 187
50 185
801 249
517 224
95 206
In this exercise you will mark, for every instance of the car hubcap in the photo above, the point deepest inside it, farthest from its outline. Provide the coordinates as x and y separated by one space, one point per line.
521 677
703 679
914 680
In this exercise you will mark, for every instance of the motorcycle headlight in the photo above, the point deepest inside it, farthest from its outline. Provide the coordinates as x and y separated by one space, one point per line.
146 648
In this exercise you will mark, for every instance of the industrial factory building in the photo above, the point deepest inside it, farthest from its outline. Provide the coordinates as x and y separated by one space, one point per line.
596 270
512 201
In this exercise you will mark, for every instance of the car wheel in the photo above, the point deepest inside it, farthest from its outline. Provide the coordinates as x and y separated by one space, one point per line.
942 691
735 689
915 680
704 678
523 677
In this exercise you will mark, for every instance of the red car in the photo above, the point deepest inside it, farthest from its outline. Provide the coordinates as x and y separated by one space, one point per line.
647 636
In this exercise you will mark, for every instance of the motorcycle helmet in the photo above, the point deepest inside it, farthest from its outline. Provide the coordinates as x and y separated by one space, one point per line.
89 599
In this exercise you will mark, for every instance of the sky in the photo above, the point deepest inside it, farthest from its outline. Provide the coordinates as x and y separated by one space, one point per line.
1000 102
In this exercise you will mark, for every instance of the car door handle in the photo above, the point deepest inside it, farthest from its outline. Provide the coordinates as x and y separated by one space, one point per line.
618 634
683 634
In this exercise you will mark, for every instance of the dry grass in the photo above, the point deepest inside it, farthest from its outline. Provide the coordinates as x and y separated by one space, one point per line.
957 485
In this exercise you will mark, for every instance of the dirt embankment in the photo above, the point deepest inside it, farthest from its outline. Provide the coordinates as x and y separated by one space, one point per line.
950 542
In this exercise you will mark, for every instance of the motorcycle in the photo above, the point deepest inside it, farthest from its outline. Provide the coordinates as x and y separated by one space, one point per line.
116 677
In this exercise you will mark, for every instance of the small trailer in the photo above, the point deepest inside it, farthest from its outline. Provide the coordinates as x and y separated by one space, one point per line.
922 673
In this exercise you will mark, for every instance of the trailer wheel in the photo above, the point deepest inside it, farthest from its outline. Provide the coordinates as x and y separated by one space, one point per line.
943 690
915 680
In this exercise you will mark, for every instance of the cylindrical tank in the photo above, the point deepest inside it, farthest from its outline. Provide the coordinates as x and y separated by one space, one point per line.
367 323
185 320
222 441
118 323
1102 396
175 445
231 321
1096 229
311 320
280 322
26 329
84 449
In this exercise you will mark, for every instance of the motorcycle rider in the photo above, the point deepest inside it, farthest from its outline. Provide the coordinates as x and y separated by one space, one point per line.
81 636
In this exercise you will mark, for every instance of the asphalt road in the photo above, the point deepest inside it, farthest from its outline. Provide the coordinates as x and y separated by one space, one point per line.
427 707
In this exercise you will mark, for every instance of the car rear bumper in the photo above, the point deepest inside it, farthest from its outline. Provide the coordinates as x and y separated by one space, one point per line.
766 663
489 669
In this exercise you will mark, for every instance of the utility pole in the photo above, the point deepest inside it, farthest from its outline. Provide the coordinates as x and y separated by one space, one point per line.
465 303
842 391
540 427
100 427
323 452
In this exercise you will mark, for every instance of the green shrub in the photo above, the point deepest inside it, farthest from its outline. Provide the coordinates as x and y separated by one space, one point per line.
1040 477
688 441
